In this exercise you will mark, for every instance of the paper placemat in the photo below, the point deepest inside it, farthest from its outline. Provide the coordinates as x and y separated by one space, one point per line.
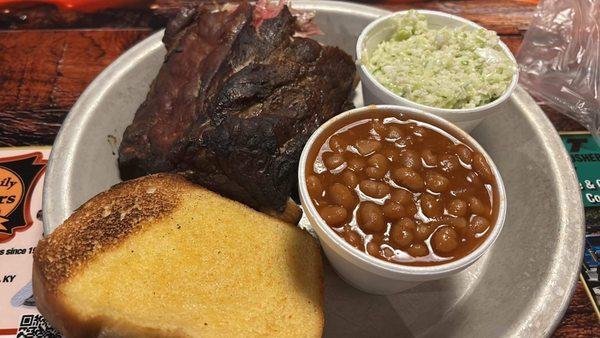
21 180
585 155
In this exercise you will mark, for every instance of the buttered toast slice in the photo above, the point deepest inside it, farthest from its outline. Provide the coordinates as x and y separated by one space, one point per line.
161 257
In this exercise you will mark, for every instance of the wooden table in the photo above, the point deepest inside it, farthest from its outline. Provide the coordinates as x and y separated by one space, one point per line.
48 57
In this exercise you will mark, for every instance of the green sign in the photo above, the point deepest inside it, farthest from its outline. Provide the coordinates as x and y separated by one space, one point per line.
585 155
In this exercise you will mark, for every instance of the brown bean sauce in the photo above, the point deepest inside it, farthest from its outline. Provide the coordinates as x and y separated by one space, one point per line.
402 190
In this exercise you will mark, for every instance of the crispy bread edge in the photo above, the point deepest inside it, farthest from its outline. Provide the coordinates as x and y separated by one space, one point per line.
93 229
104 221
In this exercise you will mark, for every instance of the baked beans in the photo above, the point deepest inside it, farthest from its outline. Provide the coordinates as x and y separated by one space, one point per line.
402 190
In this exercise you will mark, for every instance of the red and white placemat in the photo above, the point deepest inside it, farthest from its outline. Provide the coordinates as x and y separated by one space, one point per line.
21 180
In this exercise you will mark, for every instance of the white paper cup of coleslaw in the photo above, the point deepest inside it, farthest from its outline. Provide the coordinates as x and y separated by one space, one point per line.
376 93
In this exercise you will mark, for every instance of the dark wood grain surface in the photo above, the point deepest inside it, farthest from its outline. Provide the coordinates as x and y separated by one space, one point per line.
49 56
43 72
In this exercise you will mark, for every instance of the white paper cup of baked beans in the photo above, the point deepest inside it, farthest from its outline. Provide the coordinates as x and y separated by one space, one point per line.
398 197
462 82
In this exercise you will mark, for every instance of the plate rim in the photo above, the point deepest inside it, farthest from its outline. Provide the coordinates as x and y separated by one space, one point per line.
572 214
571 219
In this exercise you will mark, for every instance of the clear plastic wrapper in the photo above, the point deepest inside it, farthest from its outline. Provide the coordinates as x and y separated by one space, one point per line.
559 59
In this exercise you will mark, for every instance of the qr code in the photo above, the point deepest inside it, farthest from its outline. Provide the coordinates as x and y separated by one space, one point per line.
36 326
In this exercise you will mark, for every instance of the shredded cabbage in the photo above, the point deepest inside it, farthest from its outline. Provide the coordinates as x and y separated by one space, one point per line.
445 68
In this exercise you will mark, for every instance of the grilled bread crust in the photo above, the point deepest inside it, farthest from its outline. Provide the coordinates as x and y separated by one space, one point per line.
110 220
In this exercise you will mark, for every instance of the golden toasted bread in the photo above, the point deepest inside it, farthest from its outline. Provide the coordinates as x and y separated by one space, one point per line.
161 257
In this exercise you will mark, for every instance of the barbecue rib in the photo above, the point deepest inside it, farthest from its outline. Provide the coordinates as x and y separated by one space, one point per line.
234 103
